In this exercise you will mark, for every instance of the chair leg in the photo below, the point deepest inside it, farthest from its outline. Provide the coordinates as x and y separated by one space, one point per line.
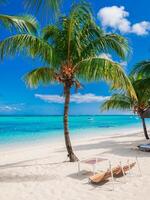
128 163
93 169
138 165
112 177
89 181
123 171
78 167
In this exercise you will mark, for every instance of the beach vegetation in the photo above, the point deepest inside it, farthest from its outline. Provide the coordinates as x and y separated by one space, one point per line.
140 79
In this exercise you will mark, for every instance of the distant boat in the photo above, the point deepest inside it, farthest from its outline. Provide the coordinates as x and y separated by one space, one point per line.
90 119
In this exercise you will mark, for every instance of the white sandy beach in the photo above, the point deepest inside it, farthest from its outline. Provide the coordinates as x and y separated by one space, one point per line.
38 172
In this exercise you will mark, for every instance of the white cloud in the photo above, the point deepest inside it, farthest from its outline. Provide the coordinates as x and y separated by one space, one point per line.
106 56
109 57
141 28
50 98
75 98
9 108
116 17
123 63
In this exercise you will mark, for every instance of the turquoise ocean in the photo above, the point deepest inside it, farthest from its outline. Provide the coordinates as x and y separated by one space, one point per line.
35 128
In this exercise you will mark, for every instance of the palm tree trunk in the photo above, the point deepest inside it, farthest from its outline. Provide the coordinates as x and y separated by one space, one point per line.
144 127
71 154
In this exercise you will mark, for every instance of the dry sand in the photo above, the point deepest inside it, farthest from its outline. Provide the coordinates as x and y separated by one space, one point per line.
38 172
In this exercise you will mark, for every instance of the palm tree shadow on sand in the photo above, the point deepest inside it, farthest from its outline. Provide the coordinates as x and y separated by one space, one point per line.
24 163
8 178
127 148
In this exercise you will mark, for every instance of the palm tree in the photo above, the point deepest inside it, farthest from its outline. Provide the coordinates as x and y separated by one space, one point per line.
71 49
124 101
24 23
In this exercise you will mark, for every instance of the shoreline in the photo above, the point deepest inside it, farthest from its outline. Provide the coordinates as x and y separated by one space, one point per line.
83 135
14 130
59 142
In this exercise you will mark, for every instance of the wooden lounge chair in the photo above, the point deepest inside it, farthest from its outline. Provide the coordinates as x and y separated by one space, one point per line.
128 167
121 171
100 177
104 176
115 172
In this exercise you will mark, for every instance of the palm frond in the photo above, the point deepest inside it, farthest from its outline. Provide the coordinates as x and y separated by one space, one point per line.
79 12
41 75
142 84
96 68
25 23
108 43
116 43
32 44
89 39
141 69
45 7
50 32
142 88
117 101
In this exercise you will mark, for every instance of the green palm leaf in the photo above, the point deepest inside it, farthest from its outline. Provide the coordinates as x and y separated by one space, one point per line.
116 43
78 14
126 101
21 23
142 84
34 46
141 69
117 101
45 7
142 88
96 68
50 32
108 43
41 75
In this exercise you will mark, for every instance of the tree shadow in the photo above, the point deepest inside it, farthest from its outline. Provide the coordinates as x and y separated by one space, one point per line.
24 163
83 174
9 178
116 136
122 148
127 148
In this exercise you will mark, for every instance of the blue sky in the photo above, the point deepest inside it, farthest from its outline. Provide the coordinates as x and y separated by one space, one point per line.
121 16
